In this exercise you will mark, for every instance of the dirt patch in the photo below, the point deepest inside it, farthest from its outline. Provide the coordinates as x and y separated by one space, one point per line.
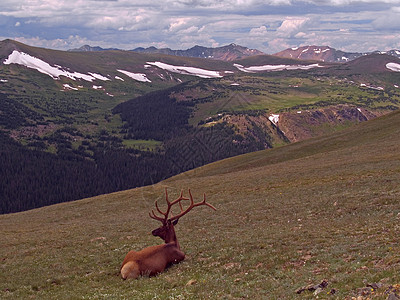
30 131
300 125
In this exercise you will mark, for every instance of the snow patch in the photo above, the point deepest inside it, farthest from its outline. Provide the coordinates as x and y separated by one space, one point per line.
187 70
97 87
275 67
119 78
393 67
137 76
378 88
32 62
274 119
68 87
3 80
98 76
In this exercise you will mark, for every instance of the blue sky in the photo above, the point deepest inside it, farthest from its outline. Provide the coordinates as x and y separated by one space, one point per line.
269 26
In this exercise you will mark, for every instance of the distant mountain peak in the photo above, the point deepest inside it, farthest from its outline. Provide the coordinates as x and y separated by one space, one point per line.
88 48
227 53
327 54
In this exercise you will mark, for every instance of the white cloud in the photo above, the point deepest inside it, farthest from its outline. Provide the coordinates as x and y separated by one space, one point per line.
267 25
278 44
259 31
351 2
291 26
300 35
68 43
178 23
389 20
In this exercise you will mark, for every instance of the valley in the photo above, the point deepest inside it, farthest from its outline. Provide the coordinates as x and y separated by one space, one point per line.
110 112
302 164
324 209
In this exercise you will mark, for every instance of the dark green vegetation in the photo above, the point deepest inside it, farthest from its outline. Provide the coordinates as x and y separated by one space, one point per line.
74 129
322 209
71 144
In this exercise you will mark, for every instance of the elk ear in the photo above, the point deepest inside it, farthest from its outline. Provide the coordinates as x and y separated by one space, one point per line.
175 222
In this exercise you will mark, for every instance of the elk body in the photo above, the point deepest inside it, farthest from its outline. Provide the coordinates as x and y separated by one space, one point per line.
155 259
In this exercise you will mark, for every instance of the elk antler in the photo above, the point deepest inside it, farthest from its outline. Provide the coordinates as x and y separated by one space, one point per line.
192 204
183 212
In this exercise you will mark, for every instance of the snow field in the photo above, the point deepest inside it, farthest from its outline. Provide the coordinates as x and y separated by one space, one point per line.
275 67
187 70
32 62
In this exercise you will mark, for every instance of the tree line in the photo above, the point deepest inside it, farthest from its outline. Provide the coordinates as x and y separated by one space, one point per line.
32 178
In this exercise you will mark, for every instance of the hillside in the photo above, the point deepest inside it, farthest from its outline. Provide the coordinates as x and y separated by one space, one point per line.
321 53
227 53
328 54
324 210
102 114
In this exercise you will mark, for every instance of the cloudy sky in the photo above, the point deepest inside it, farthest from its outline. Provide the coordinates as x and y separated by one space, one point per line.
268 25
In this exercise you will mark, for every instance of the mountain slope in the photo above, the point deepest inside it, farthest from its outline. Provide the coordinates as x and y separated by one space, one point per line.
107 63
227 53
103 114
328 54
322 209
90 48
321 53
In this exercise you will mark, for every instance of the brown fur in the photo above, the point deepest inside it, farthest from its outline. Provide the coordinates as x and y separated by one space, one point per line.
155 259
151 260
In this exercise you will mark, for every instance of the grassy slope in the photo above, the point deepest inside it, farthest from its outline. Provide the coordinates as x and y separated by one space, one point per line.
326 208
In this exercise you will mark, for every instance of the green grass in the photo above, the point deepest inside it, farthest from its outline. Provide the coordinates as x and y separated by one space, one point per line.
142 144
326 208
275 93
89 110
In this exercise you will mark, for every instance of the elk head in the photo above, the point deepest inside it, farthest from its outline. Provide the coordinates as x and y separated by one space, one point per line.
154 259
166 231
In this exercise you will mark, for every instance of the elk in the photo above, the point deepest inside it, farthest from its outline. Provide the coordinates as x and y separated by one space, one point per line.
155 259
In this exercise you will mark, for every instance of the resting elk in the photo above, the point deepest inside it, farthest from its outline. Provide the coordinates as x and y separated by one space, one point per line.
155 259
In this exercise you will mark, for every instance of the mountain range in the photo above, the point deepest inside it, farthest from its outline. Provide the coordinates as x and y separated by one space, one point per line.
314 214
318 218
93 116
233 52
328 54
228 53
